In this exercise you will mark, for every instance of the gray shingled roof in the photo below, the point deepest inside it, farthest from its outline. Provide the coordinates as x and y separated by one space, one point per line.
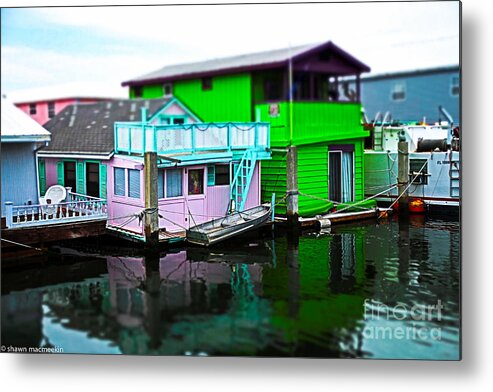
241 61
88 128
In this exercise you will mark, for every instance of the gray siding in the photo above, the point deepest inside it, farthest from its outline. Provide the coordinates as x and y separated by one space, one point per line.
18 172
424 93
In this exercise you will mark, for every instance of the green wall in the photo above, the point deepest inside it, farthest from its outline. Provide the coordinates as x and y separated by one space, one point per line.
150 91
312 176
313 122
229 99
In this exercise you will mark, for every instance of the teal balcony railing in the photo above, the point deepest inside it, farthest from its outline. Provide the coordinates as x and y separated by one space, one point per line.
137 138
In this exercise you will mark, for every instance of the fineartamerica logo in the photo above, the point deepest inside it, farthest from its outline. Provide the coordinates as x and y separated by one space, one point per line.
412 316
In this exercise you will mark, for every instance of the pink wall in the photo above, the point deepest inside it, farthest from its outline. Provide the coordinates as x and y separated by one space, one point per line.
51 174
212 204
253 198
41 115
120 208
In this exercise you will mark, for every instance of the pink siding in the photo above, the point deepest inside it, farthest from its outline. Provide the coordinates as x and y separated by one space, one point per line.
173 211
217 201
176 110
41 115
51 174
120 208
253 198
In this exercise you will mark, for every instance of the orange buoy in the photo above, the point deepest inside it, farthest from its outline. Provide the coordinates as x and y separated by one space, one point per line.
417 206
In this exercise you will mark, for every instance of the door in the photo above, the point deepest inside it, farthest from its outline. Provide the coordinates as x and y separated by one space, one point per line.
341 176
195 203
92 179
69 176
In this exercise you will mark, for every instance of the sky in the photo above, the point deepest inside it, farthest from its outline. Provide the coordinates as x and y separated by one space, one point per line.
91 50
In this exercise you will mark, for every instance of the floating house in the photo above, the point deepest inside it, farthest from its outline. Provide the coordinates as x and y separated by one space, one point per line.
30 215
98 150
21 137
295 90
42 104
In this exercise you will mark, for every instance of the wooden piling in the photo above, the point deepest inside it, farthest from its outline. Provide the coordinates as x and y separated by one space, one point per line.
292 191
151 216
403 175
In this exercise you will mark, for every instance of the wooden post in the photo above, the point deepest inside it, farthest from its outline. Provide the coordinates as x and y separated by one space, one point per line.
292 191
151 217
8 214
403 174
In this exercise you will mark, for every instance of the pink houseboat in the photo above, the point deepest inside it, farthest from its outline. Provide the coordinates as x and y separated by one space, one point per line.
98 150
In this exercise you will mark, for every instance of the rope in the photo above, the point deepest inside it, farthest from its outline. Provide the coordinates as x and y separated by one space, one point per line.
410 183
369 198
169 220
190 213
23 245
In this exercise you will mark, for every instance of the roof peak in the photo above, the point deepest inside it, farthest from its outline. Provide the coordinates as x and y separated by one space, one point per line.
241 63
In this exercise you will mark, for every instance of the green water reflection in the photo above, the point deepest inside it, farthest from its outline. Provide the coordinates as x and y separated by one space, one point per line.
353 292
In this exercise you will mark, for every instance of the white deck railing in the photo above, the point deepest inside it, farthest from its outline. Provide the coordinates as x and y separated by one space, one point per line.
77 208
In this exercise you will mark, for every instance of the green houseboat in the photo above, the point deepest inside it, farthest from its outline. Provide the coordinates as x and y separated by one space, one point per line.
301 91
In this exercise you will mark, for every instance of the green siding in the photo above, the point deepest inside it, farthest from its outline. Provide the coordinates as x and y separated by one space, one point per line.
229 99
59 173
313 177
314 122
81 178
149 91
42 177
273 179
102 181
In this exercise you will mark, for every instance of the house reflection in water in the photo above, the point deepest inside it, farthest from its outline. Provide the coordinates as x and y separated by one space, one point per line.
264 298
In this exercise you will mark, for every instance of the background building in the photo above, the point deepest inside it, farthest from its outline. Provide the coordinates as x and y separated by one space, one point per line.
413 95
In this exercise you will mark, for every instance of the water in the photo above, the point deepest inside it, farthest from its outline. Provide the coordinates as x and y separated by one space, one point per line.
374 291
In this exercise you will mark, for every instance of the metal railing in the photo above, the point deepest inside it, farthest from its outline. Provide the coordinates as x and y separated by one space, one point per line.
76 208
137 138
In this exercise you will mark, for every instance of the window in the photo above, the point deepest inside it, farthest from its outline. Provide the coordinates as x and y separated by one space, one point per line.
69 176
415 165
196 182
174 183
160 184
398 92
32 108
138 91
222 175
119 181
455 86
206 83
273 89
171 120
167 89
92 179
51 109
134 183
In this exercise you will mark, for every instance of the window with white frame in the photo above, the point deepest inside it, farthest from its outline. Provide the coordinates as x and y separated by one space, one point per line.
455 86
119 182
174 183
134 183
398 92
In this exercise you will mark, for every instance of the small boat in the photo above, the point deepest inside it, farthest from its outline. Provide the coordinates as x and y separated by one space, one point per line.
231 225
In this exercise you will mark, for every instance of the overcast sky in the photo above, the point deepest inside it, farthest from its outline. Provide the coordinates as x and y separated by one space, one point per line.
96 48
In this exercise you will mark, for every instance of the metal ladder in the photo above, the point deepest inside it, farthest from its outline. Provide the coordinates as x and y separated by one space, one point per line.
454 174
243 173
